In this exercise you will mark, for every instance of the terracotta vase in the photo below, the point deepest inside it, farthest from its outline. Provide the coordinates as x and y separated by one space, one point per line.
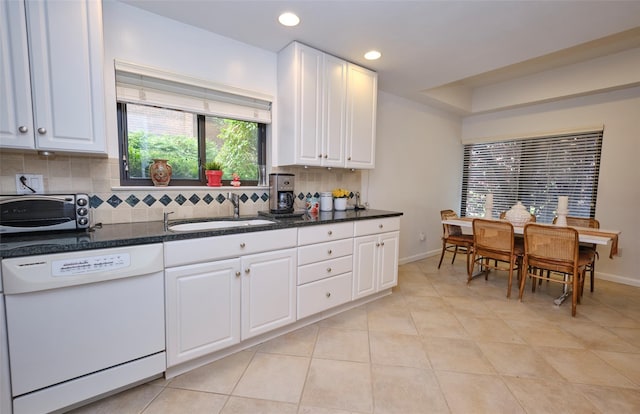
160 172
214 178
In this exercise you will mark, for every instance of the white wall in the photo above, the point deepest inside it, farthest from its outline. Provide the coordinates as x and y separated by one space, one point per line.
418 170
140 37
618 187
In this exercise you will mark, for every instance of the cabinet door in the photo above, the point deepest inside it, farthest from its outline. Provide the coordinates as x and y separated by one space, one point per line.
268 291
66 56
364 266
362 94
309 125
388 260
202 309
334 112
15 88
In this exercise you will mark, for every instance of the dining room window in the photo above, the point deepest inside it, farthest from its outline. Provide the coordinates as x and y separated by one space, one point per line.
534 171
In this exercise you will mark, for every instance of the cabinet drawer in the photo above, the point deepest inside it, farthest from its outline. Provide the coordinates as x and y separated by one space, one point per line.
181 252
324 251
324 233
323 294
322 270
374 226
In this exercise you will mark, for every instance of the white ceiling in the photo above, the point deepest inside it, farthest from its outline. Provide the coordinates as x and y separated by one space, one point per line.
426 44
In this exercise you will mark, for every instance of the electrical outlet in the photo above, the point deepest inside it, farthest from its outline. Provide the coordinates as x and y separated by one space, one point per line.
422 236
29 183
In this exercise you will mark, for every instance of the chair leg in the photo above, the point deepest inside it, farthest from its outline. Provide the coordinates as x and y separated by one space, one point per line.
523 278
575 295
455 252
510 281
470 267
444 248
592 271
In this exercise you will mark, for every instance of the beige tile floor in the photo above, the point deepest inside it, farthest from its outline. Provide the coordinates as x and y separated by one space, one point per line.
435 346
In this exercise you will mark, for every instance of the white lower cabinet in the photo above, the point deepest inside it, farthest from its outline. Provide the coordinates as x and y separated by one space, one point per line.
223 290
375 256
268 291
202 309
325 263
219 301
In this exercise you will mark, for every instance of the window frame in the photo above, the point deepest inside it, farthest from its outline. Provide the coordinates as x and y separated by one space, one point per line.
511 172
126 180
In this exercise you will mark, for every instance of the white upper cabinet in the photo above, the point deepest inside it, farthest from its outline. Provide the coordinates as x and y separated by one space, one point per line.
326 110
51 76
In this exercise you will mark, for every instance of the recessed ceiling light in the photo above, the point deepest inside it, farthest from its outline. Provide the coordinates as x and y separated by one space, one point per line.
288 19
372 55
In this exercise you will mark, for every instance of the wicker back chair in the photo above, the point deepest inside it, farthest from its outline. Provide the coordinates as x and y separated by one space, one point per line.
555 249
494 239
453 238
586 247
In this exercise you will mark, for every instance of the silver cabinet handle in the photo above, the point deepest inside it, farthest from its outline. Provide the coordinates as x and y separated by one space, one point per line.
328 294
242 245
42 131
349 159
328 270
382 244
326 155
23 129
329 232
247 270
319 155
380 226
330 251
377 244
238 274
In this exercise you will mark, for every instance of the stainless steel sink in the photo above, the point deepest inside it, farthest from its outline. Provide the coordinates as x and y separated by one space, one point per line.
219 224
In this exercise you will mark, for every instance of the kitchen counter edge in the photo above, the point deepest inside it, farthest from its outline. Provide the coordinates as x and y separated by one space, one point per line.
131 234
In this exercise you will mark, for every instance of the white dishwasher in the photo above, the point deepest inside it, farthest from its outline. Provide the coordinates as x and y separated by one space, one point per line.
82 324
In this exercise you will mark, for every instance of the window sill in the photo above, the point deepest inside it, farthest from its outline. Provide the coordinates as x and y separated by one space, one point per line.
189 188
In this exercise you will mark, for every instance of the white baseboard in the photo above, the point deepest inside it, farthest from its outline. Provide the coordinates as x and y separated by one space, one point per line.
617 279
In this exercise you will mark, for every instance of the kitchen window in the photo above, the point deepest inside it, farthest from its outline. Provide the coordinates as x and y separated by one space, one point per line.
188 123
535 171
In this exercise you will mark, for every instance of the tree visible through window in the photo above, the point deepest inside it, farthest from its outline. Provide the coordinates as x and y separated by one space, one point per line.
535 171
187 141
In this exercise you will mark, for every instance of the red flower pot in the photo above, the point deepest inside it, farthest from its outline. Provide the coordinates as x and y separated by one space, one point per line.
214 178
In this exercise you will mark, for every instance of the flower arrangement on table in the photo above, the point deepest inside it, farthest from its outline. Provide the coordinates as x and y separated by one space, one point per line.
340 196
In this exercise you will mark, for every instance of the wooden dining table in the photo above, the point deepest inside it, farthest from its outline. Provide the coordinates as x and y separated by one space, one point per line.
585 235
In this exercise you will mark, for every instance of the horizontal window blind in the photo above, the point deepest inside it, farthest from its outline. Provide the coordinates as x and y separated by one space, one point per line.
186 94
535 171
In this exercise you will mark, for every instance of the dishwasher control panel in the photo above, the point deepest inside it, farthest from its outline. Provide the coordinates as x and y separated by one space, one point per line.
84 265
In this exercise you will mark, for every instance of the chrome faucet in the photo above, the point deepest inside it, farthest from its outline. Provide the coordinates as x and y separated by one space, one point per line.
165 219
235 200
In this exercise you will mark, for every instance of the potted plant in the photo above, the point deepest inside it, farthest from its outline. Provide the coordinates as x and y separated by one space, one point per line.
340 196
213 171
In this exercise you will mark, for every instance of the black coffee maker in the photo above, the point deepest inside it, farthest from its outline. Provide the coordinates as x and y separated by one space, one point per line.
281 195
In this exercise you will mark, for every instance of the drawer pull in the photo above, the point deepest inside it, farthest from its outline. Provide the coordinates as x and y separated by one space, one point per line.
328 294
377 244
238 274
247 270
382 244
242 245
328 270
329 232
380 226
330 251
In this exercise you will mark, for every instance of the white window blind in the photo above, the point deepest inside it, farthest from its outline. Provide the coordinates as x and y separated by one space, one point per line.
147 86
535 171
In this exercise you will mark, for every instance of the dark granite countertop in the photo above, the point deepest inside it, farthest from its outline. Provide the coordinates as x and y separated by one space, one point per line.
115 235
